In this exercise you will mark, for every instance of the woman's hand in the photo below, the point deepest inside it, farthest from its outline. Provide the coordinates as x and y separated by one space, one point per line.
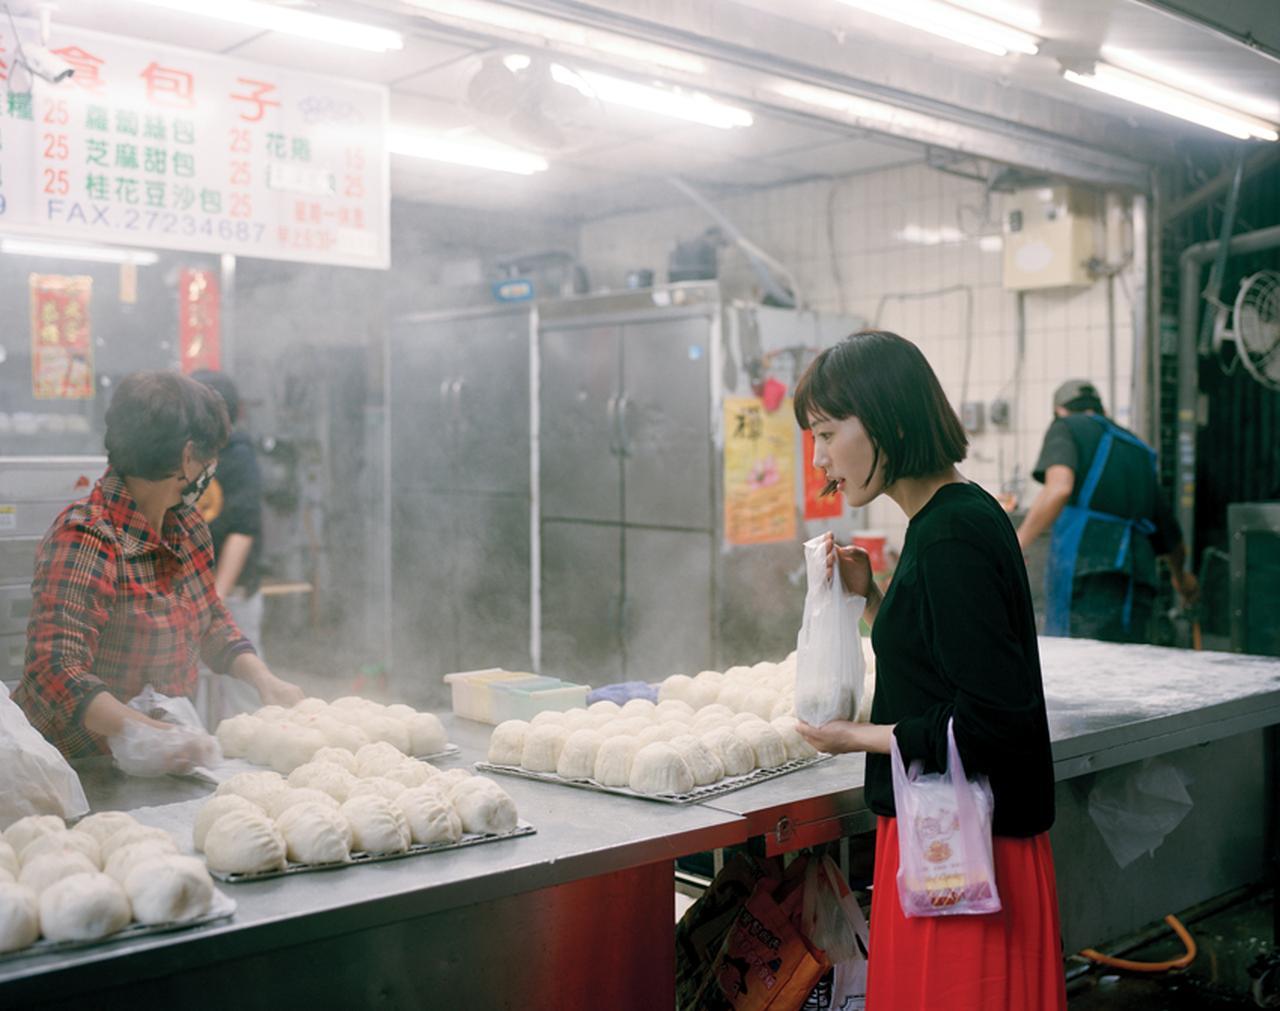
248 667
842 736
278 692
855 573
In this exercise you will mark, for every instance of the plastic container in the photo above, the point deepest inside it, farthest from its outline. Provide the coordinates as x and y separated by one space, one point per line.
471 695
524 700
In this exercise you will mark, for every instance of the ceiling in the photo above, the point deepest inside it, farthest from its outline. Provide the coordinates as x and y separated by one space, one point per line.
1010 109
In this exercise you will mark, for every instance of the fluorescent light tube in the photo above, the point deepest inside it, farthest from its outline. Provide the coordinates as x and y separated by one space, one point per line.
1172 102
73 251
1267 109
674 102
436 147
921 236
954 24
303 24
551 29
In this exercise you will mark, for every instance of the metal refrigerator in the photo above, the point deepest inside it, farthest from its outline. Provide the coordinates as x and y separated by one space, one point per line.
554 492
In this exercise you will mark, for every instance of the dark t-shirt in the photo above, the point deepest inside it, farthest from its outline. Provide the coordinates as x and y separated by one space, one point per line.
955 637
1128 487
240 509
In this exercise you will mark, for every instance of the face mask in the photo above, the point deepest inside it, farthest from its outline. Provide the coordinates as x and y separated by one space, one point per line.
195 488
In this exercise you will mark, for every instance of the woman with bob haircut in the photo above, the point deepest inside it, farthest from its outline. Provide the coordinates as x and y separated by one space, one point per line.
123 594
955 641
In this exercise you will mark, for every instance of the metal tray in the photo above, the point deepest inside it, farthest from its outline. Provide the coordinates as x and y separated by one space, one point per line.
522 828
694 796
222 907
228 767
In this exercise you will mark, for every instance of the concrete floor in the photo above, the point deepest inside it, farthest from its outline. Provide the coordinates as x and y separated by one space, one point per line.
1227 943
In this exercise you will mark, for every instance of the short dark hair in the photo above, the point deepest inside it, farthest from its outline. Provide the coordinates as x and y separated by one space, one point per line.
153 415
887 384
221 383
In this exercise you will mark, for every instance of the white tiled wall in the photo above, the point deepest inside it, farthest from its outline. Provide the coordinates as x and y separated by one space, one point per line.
844 242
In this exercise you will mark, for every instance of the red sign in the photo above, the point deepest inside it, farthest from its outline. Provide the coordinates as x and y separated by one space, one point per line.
61 351
199 328
816 505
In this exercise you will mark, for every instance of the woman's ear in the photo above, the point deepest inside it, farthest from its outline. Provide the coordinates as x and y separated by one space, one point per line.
189 460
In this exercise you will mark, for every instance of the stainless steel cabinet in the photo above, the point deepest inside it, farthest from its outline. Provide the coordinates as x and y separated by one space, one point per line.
664 423
33 491
458 439
626 489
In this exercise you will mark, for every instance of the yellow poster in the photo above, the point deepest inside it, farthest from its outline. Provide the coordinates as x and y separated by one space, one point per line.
759 472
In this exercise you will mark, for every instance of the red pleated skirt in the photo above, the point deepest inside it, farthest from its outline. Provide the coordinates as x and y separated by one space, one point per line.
1005 961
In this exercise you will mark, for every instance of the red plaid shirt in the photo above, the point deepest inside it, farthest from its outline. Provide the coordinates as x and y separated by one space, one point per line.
115 608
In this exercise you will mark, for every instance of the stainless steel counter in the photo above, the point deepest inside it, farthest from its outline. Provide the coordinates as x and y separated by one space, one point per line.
588 899
1110 705
468 899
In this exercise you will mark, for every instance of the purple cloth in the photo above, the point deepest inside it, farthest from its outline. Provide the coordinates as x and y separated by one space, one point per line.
624 692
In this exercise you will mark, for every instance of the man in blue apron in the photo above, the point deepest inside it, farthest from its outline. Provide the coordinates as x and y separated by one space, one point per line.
1110 521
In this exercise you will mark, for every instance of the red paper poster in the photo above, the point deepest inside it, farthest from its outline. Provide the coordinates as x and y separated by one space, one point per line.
61 351
816 505
199 324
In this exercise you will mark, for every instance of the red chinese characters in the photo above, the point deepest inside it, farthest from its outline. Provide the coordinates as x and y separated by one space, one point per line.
169 87
256 98
88 68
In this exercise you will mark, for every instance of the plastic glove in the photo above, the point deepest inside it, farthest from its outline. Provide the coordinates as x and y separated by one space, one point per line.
147 749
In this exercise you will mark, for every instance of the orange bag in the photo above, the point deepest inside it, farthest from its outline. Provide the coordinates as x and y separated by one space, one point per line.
764 964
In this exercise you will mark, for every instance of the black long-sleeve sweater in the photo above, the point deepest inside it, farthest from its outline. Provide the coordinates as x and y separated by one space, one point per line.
955 637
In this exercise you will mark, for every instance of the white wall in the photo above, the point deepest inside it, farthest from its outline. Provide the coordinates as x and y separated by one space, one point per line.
843 241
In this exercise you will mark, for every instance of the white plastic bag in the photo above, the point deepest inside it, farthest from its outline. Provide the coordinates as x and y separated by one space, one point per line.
143 750
1135 808
832 920
34 777
945 861
829 665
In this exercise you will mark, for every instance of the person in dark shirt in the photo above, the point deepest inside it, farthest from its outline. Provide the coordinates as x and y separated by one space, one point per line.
1110 521
955 643
232 506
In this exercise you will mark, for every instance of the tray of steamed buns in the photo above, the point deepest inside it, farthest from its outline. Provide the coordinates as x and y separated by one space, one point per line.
283 739
106 879
344 808
668 751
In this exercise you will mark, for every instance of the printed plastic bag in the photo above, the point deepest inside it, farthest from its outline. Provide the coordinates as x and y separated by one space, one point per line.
833 921
764 963
143 750
34 777
829 664
945 866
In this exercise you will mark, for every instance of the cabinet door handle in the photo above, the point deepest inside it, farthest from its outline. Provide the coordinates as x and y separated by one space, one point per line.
623 403
611 415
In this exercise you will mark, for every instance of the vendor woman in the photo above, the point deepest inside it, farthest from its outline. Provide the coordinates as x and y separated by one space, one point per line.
124 594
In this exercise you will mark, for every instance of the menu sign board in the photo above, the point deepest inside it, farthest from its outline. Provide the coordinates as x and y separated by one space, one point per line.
151 145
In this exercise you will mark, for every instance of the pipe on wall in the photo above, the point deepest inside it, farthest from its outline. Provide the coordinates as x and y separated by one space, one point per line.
1190 264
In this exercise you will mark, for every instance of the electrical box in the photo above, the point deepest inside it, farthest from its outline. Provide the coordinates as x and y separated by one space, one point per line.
1050 235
